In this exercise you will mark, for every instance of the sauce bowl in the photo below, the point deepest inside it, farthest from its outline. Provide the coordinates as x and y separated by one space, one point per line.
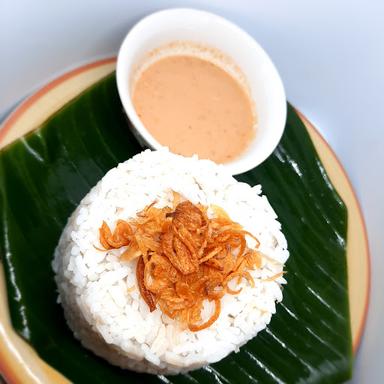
182 24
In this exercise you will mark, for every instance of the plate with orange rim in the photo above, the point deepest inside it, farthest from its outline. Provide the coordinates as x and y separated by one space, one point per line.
19 363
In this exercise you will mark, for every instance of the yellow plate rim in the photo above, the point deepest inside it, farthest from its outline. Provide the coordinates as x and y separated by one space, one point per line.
18 361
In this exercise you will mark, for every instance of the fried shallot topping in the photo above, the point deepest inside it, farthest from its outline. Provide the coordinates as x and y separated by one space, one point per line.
184 258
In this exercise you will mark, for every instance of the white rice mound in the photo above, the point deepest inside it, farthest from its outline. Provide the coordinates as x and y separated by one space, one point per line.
100 296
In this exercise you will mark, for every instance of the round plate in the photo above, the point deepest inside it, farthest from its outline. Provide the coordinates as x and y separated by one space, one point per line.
19 363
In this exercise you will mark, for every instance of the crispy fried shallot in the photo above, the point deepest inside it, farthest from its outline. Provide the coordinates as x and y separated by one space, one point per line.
185 258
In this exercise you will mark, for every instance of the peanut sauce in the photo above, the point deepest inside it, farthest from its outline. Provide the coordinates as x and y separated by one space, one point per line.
193 106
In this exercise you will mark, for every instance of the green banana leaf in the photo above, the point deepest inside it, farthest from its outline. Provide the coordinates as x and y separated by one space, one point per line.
43 177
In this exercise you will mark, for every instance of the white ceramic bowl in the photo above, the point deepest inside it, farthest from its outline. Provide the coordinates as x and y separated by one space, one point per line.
181 24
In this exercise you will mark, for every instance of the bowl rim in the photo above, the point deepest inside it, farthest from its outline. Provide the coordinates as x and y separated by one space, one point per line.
249 159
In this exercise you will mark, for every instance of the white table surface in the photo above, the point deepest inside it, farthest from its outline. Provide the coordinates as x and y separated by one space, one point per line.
330 55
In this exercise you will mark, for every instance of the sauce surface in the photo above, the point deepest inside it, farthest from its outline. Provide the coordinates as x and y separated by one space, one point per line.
193 106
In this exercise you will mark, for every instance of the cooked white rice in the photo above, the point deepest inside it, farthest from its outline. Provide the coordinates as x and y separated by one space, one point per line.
94 286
